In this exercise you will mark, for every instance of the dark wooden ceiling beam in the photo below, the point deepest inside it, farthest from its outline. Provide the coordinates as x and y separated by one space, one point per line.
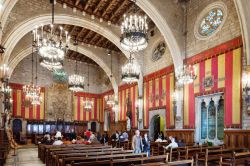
109 6
80 33
100 3
77 2
100 40
87 5
93 38
117 10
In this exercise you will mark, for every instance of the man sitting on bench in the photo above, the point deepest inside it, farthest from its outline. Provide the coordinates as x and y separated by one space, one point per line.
173 144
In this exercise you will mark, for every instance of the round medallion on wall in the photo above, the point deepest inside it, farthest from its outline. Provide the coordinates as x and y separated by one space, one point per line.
159 51
210 20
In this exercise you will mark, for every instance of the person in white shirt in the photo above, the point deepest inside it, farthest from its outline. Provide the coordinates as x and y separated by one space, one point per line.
58 141
173 144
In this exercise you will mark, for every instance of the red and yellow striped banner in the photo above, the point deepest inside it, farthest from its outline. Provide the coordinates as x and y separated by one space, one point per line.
22 108
125 94
225 70
81 114
158 94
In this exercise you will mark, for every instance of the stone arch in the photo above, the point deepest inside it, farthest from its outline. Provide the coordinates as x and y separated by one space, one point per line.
242 7
6 9
21 55
166 31
29 24
152 115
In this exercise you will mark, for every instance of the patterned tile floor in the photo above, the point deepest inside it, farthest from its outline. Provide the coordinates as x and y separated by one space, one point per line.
25 156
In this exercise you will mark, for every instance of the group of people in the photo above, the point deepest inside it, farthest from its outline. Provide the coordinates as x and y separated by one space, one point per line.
139 143
87 137
120 136
142 144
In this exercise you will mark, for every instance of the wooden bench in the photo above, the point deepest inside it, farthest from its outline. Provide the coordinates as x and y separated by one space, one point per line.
74 160
59 157
237 159
48 151
215 155
157 149
122 162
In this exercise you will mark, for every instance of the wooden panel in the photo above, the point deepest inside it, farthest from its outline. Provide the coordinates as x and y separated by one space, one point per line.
237 138
121 126
186 135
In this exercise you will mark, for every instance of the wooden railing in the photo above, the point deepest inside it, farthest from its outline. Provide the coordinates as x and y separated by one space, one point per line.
237 138
186 135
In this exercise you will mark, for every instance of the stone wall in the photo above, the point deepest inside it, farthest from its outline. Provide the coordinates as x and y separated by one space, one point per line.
230 30
150 66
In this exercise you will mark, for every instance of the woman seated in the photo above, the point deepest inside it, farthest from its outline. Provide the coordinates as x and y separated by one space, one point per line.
58 141
79 140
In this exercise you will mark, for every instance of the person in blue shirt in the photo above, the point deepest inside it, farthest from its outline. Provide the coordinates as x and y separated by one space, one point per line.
146 144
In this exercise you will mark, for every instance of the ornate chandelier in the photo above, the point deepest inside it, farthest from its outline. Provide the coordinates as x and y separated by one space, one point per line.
76 81
186 74
130 71
50 46
88 103
134 32
32 91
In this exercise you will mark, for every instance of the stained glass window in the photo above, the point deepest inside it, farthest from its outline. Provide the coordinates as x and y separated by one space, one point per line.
203 120
220 119
211 21
211 120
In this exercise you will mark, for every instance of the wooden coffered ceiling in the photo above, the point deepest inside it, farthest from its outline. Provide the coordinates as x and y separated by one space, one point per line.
108 10
73 55
84 36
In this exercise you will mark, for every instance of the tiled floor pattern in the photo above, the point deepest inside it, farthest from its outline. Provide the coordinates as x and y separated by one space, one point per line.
25 156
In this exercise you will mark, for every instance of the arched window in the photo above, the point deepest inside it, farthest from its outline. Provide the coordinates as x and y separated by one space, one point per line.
211 22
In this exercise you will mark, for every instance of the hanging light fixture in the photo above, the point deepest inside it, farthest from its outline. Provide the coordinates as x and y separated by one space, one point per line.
130 71
134 31
29 89
76 81
185 74
110 101
35 98
88 103
5 79
50 46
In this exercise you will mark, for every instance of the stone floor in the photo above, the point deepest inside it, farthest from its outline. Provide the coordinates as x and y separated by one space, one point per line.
25 156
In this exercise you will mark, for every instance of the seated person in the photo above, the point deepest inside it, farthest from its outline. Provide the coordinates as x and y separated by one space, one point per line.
67 141
79 140
47 136
58 134
72 135
58 141
124 136
173 144
88 134
113 137
181 143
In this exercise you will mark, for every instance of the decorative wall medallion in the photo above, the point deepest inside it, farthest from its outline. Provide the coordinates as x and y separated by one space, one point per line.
210 20
159 51
208 82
